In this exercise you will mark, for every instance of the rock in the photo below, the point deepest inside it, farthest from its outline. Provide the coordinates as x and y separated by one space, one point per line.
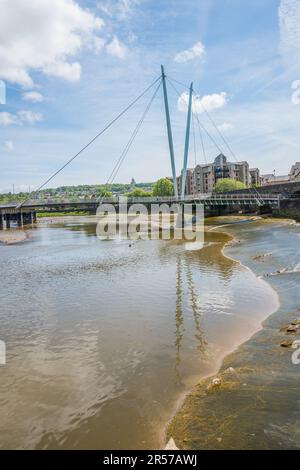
286 344
171 445
293 328
230 371
214 383
261 257
284 328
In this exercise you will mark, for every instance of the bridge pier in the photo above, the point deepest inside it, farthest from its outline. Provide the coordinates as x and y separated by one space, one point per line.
20 218
7 220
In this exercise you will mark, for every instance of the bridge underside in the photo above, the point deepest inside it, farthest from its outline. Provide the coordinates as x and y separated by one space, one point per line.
18 217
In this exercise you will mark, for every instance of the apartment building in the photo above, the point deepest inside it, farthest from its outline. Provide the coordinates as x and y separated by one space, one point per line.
295 172
254 177
294 175
205 177
188 182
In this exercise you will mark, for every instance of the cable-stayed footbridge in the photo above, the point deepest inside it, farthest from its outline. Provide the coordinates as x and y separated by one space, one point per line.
24 212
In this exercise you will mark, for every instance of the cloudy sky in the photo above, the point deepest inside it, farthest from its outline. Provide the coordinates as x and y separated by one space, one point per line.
70 66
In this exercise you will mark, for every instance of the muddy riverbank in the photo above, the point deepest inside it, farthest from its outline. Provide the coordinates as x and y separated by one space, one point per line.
12 236
253 401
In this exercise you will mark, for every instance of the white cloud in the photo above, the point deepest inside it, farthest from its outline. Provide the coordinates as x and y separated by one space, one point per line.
6 119
24 116
43 36
120 9
116 48
8 146
200 104
197 51
98 43
70 72
226 126
289 20
33 96
30 117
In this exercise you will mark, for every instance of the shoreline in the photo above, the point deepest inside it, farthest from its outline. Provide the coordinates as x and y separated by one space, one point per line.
212 379
13 236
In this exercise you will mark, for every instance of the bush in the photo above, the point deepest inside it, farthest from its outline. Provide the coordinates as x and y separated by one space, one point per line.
225 185
163 187
105 193
138 193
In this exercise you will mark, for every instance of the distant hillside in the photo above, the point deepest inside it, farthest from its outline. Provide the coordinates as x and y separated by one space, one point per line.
80 191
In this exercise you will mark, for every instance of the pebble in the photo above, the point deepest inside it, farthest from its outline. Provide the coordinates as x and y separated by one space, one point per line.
214 383
286 344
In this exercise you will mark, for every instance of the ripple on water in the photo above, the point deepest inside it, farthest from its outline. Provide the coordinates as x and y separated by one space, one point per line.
103 338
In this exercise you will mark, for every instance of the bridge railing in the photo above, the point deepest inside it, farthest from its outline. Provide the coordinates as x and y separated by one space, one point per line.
200 197
197 197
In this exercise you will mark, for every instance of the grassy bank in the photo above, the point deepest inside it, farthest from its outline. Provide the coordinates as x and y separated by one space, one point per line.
42 215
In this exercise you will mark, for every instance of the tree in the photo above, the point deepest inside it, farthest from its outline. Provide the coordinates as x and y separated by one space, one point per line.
163 187
105 193
138 192
225 185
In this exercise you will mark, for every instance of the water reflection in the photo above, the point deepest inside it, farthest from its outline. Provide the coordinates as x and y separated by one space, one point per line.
183 284
179 311
199 335
91 339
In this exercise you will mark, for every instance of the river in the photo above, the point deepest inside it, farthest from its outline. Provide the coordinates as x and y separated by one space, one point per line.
104 338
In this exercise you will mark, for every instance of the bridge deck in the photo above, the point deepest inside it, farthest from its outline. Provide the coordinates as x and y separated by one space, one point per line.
206 199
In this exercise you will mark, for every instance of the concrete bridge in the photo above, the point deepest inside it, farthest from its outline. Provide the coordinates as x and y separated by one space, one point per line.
289 194
214 204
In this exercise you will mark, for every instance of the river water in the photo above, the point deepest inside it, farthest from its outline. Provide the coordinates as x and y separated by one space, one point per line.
104 338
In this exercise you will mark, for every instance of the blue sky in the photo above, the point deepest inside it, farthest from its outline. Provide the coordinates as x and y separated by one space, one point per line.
70 66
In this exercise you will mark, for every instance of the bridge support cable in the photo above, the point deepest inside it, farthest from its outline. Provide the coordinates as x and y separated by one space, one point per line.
126 149
94 138
197 118
194 140
202 141
259 198
193 114
225 142
201 126
218 130
185 85
210 119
